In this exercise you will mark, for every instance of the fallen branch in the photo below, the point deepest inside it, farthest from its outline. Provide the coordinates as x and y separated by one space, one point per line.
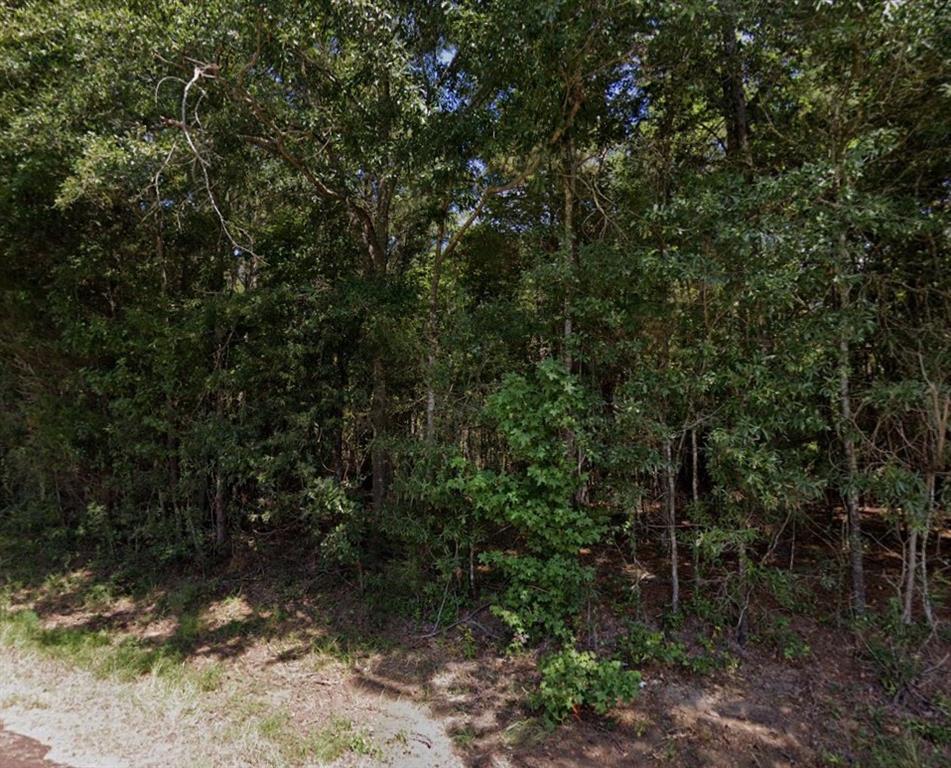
456 623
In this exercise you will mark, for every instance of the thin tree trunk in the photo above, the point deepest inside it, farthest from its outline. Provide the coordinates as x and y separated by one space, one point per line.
792 546
734 93
910 571
432 328
218 508
695 497
570 248
930 480
939 410
672 525
378 457
695 464
430 395
848 445
742 624
340 366
472 568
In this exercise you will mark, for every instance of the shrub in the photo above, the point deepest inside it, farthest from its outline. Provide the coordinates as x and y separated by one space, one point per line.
572 679
643 645
535 496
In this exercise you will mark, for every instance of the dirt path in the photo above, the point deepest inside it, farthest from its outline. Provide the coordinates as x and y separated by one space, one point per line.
18 751
94 722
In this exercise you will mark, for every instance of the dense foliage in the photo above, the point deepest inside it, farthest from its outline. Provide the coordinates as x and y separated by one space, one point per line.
466 291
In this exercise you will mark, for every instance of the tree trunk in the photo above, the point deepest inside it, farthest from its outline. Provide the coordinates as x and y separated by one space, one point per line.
432 331
911 571
695 465
378 417
695 497
218 509
734 93
570 248
742 624
930 479
672 525
430 396
939 415
852 469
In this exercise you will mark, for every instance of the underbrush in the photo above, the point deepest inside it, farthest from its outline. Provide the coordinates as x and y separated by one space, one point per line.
898 652
572 679
642 646
229 611
909 743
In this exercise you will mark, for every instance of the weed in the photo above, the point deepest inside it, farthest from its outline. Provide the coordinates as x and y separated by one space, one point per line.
129 659
189 627
642 645
709 610
183 598
401 737
895 665
99 596
893 648
21 701
470 648
339 738
892 742
464 737
785 640
902 751
344 649
640 727
784 587
210 678
938 733
274 725
528 732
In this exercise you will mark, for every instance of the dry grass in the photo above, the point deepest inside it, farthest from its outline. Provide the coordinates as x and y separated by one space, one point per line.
151 694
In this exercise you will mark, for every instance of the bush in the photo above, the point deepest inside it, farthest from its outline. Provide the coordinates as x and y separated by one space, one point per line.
572 679
535 497
644 646
542 594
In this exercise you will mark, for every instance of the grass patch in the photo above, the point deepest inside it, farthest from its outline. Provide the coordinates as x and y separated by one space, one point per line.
122 659
784 640
22 701
904 750
464 737
99 596
344 649
528 732
339 738
210 677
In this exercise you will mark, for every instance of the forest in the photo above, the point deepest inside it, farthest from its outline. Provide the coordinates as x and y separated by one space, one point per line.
600 345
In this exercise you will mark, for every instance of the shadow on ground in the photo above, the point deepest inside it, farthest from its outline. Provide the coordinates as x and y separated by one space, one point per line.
278 610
